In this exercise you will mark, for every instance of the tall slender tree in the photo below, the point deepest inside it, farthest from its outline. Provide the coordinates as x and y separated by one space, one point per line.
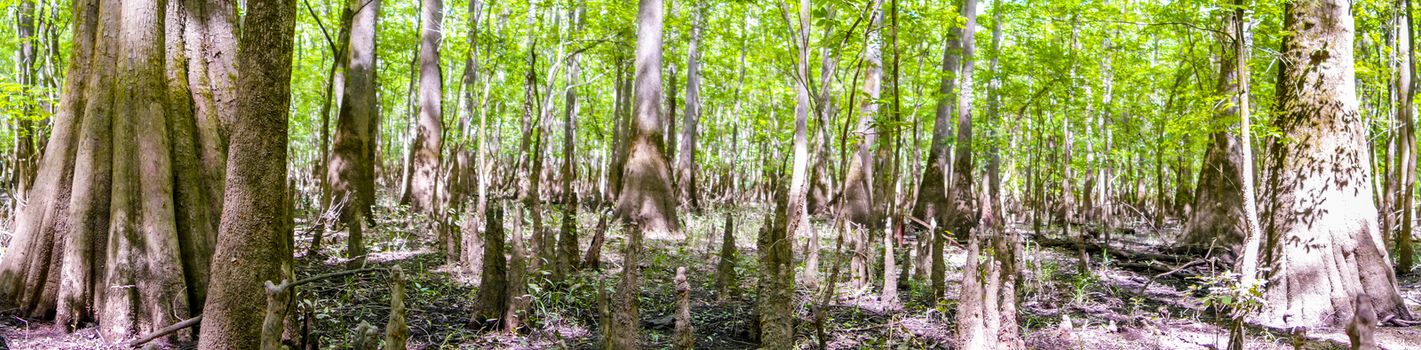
857 194
429 132
352 165
1405 163
686 156
646 196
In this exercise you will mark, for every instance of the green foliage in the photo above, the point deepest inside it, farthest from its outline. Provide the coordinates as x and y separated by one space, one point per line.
1227 293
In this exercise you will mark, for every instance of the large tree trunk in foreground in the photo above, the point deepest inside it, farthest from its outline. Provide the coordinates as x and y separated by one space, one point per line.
429 133
352 165
646 196
98 216
254 238
1323 248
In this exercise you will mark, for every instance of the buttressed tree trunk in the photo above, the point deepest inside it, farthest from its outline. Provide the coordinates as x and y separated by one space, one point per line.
932 204
1217 219
253 244
962 216
429 133
646 197
98 216
860 174
1323 247
493 275
857 195
123 195
352 169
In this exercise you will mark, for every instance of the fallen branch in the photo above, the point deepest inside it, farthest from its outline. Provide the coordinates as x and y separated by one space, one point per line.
164 332
198 319
1146 287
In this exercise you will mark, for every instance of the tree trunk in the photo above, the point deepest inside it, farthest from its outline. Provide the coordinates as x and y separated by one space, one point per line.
352 169
932 203
777 242
472 256
493 276
335 87
686 156
1405 163
429 133
856 195
1217 219
1323 247
97 215
26 152
621 112
775 304
255 237
961 216
725 281
820 178
646 197
567 252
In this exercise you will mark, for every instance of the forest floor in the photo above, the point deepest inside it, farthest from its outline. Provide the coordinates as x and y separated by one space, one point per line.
1121 304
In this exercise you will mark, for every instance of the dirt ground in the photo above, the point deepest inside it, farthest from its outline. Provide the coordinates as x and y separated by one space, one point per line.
1117 306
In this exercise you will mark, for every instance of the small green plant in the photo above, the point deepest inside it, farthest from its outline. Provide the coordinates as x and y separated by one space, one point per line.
1081 286
1226 292
1228 296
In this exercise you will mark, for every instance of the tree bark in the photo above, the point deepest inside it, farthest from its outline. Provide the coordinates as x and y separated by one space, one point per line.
1405 164
429 133
254 237
961 216
1218 218
856 195
646 197
1323 247
567 250
352 169
686 156
932 202
97 215
493 276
